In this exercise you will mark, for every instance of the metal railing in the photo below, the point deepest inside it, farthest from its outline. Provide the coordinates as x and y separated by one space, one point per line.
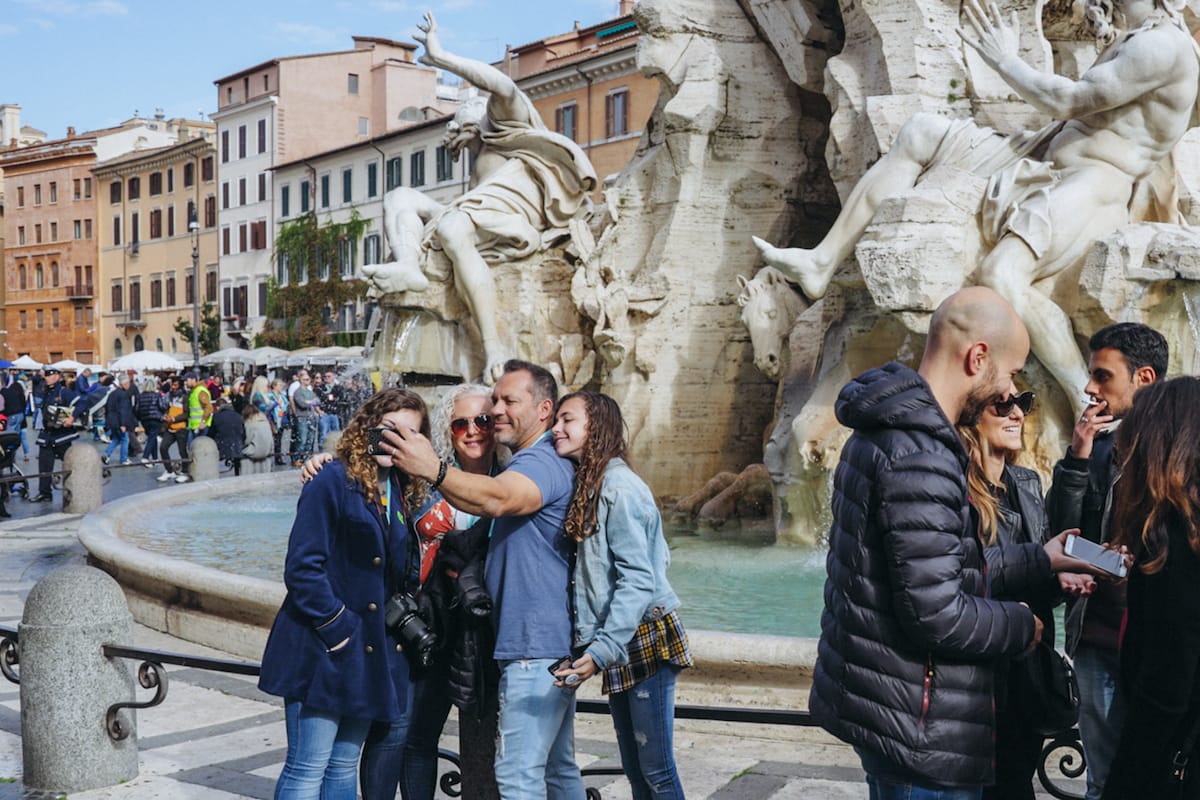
151 674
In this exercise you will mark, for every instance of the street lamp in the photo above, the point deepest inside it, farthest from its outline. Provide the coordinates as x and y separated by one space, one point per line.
194 229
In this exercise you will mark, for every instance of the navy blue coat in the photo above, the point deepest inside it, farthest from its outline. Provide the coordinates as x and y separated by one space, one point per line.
336 575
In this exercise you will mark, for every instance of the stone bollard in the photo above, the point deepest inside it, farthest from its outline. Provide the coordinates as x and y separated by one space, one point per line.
82 488
67 684
206 463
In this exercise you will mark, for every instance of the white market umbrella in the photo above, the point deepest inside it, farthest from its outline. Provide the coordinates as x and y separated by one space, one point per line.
145 361
25 362
298 358
262 356
229 355
183 358
67 365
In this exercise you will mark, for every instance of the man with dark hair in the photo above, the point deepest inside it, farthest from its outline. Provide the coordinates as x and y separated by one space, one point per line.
58 430
527 574
908 634
1124 357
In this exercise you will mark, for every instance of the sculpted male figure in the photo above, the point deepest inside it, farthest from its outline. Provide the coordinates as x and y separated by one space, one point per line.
908 635
526 183
1053 192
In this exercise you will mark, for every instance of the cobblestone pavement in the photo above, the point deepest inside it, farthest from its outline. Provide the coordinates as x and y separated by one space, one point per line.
216 736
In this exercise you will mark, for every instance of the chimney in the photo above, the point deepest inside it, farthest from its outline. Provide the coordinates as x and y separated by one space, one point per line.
70 131
626 7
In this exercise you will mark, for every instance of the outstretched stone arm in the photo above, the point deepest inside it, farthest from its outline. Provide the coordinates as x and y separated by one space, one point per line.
485 76
1146 62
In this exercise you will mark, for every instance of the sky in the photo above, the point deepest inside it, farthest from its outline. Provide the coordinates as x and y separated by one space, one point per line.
93 63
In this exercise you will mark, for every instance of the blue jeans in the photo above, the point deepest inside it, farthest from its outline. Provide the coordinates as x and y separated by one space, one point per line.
151 427
644 718
16 422
322 754
885 783
535 748
119 439
1101 711
306 430
405 753
328 424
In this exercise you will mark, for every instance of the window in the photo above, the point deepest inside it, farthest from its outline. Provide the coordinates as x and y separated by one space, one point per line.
258 235
262 136
24 320
189 289
616 114
78 316
37 199
117 347
285 200
118 296
226 240
87 229
262 298
241 301
266 82
416 169
225 195
206 169
364 126
347 185
281 269
41 318
225 144
156 224
262 187
135 300
322 264
158 344
156 186
87 188
171 289
135 229
445 164
241 191
189 175
210 211
116 231
21 197
54 273
227 301
243 238
346 258
37 233
305 192
77 193
20 234
53 192
54 231
22 282
135 188
210 286
352 83
372 179
156 299
324 191
54 318
114 192
394 173
170 220
371 249
39 277
228 94
78 229
564 120
170 180
241 141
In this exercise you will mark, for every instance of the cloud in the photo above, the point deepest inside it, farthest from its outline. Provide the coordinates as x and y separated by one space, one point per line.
390 6
312 35
72 8
9 30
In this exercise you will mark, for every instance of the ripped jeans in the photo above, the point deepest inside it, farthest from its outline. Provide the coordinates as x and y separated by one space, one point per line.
535 748
644 718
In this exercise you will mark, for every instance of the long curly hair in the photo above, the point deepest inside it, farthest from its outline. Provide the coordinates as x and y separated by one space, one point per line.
979 486
605 441
1159 484
352 447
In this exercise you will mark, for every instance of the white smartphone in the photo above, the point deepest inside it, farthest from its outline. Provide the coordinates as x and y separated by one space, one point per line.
1111 561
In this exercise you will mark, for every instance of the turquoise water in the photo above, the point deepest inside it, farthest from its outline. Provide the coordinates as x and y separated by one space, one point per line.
726 581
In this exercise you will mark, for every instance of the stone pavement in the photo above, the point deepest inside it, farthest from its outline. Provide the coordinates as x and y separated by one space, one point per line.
216 736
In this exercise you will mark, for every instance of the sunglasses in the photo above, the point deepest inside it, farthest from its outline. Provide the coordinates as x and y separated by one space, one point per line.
460 426
1023 401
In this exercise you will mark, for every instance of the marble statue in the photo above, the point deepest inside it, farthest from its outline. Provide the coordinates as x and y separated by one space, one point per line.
527 184
1051 193
769 310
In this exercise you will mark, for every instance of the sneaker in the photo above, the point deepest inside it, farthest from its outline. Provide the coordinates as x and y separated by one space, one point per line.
181 478
41 498
166 476
104 438
147 464
126 463
104 460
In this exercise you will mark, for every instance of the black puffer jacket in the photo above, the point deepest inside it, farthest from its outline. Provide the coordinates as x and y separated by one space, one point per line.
908 639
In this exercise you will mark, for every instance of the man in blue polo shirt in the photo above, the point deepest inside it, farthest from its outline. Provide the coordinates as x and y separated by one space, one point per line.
527 573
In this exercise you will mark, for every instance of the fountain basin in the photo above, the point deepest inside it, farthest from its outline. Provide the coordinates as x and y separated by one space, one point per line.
233 612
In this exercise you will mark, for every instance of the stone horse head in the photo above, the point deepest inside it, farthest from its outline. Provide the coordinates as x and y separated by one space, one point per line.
769 308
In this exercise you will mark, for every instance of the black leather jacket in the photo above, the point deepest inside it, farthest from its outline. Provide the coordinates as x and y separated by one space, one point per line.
908 638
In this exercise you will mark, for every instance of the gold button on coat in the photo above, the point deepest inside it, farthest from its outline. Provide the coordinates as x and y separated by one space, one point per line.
377 561
370 649
372 607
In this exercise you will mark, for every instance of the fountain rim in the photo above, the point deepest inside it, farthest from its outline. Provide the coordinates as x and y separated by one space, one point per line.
168 586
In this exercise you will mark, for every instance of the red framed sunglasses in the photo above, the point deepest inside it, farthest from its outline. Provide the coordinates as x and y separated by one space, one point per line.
460 426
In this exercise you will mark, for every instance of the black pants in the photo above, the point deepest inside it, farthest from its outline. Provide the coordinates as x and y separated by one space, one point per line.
1018 749
47 454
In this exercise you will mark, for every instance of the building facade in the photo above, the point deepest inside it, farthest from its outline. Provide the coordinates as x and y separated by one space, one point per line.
291 109
586 86
52 231
145 202
351 180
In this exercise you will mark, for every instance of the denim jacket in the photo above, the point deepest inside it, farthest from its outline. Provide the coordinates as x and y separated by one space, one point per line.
621 570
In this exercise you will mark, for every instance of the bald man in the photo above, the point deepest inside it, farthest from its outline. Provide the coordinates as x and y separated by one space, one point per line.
908 636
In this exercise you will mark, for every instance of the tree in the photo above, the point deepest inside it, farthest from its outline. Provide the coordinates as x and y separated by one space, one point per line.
210 329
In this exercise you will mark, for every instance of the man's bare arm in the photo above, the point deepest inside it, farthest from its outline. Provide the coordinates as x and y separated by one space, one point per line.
1147 62
502 88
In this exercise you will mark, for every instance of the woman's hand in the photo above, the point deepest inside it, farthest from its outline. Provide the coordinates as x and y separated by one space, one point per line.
313 466
1076 585
1061 562
583 666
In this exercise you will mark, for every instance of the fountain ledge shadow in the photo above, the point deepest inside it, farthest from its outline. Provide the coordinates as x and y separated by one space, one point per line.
234 613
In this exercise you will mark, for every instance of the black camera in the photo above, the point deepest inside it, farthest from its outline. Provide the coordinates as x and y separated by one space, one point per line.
375 441
402 615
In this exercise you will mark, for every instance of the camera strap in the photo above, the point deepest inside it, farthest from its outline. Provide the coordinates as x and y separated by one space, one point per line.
410 574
